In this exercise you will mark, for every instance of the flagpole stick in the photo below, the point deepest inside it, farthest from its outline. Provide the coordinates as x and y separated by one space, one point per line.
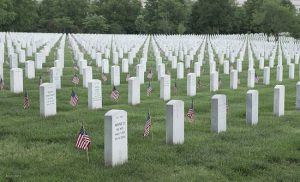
151 127
87 155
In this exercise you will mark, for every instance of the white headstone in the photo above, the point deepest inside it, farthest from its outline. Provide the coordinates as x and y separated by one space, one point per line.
47 99
105 66
55 77
279 94
197 69
115 75
226 67
291 71
298 96
175 122
16 80
180 70
214 81
218 113
95 94
279 73
29 69
191 84
165 87
140 73
134 91
115 138
251 78
266 75
13 60
252 107
87 76
234 79
125 66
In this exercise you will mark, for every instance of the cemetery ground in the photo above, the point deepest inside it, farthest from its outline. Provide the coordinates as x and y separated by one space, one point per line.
34 148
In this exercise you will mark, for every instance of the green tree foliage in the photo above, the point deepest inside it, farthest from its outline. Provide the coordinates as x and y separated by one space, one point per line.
7 14
166 16
158 16
95 24
212 16
274 17
120 14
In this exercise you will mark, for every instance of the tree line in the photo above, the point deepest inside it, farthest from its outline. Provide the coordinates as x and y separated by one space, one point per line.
155 17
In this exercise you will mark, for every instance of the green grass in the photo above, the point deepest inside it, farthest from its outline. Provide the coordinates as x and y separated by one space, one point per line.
33 148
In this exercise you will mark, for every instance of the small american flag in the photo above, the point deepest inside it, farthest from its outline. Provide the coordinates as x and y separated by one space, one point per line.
150 75
175 87
190 113
40 80
256 78
73 99
104 77
199 84
1 83
127 76
75 68
115 94
149 89
147 125
83 140
75 79
26 101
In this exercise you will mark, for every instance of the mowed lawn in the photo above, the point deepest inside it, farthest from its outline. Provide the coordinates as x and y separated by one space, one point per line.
33 148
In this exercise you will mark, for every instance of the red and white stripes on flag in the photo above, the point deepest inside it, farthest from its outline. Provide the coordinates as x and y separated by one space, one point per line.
83 140
26 101
115 94
75 79
73 99
147 125
190 113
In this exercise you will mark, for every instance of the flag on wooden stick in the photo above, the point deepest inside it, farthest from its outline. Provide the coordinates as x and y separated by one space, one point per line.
73 99
149 89
190 113
75 79
83 140
115 94
147 127
26 101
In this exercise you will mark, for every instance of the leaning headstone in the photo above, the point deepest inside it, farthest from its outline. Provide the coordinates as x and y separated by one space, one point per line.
165 87
175 122
47 99
279 94
55 77
252 107
29 69
87 76
218 113
95 94
134 91
16 80
115 138
191 84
